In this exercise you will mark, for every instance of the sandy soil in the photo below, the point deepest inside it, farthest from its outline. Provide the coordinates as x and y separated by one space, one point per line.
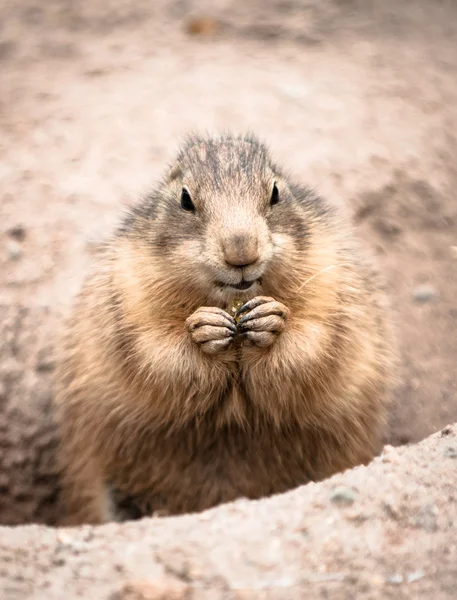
386 531
358 98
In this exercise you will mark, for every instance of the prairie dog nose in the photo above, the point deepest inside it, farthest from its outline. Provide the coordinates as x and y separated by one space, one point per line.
240 249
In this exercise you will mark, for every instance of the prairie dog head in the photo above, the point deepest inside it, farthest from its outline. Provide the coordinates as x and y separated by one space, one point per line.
225 221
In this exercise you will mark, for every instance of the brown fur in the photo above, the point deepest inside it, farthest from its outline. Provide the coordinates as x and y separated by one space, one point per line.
146 414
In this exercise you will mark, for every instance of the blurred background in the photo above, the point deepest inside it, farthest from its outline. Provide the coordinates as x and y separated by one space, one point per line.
358 98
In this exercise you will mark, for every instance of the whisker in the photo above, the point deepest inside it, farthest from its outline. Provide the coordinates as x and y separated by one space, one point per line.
315 275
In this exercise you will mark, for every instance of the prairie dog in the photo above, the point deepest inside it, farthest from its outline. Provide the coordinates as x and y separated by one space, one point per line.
166 402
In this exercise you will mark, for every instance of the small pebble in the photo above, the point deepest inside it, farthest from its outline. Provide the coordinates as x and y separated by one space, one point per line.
357 516
64 538
446 430
450 452
395 579
424 293
389 454
202 26
45 359
14 250
415 576
426 518
17 232
343 496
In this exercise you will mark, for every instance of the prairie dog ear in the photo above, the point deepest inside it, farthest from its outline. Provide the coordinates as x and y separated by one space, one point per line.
174 173
276 185
274 176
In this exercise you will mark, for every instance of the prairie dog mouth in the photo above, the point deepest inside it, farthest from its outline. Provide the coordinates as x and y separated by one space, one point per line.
243 285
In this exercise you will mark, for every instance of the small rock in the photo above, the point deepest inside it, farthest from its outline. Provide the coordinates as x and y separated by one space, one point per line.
343 496
389 454
450 452
202 26
14 250
45 359
424 293
415 576
17 232
396 579
357 516
426 518
64 538
446 430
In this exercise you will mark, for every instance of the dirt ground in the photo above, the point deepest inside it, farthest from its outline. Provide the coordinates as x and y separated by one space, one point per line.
357 97
387 531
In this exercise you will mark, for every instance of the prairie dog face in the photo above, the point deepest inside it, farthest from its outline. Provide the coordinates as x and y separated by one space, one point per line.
228 220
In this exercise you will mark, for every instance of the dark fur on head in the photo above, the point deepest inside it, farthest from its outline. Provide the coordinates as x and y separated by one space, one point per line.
229 180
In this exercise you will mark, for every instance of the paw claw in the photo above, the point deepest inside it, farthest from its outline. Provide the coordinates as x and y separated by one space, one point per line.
212 328
263 319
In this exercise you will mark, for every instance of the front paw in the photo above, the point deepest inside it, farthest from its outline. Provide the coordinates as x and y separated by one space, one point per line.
262 320
212 329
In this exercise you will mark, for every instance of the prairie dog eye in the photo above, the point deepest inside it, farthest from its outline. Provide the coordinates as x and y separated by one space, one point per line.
274 195
186 201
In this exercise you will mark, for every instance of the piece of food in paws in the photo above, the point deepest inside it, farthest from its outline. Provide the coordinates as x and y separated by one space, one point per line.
234 307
